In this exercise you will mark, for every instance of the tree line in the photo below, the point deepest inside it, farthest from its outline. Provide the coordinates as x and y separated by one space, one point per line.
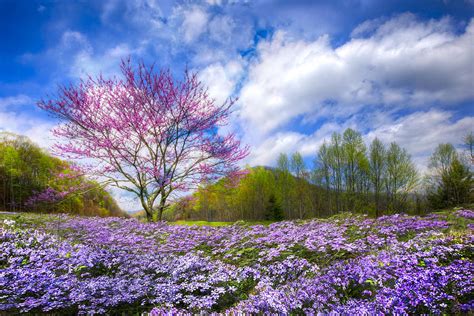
31 180
346 175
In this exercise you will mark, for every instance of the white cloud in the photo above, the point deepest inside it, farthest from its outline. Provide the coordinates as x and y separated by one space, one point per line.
16 116
221 28
404 63
126 200
145 14
24 123
75 55
421 132
222 79
10 102
85 62
194 24
366 27
201 31
265 152
214 2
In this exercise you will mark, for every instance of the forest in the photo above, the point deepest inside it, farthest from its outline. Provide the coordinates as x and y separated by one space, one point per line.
346 176
31 180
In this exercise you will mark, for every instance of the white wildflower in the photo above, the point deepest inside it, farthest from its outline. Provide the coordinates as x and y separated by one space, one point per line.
9 222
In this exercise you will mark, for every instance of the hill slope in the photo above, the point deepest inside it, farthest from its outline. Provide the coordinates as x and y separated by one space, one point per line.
32 180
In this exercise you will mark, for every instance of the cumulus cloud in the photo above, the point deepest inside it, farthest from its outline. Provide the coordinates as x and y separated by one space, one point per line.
221 28
19 115
24 123
194 24
404 62
222 79
421 132
266 151
85 62
144 14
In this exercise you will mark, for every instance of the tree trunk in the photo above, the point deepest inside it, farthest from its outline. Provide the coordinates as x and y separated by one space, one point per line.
377 203
148 210
161 208
149 217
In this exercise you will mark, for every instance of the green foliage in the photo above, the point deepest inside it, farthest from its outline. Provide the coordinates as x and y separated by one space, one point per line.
26 170
274 211
377 170
402 177
241 292
452 184
355 180
242 256
347 177
201 223
262 194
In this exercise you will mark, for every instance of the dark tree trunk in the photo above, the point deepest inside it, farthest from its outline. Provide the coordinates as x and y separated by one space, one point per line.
161 209
148 210
149 216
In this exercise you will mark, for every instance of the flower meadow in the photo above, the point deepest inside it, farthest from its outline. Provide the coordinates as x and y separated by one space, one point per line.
346 264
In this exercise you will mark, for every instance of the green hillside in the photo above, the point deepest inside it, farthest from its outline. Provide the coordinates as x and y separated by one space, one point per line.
31 180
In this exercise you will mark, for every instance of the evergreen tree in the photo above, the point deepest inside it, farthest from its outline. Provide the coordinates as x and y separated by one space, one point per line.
454 188
274 211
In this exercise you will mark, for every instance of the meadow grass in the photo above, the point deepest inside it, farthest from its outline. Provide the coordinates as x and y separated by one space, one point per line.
218 224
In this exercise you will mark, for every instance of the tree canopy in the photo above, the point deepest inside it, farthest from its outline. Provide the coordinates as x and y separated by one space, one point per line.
33 180
146 132
346 176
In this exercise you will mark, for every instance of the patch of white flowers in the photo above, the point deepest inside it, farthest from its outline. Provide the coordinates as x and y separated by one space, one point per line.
9 222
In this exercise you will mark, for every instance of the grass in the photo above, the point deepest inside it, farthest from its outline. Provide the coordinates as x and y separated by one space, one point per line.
32 219
219 224
201 223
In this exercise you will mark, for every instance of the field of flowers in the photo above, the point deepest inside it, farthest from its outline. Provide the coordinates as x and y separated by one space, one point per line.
346 264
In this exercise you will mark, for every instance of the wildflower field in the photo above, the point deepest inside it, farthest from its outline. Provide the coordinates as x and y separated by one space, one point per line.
346 264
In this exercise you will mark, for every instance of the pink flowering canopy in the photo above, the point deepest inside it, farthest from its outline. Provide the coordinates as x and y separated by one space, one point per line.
146 133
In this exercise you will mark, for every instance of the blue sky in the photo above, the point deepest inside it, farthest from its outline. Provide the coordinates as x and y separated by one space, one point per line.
399 70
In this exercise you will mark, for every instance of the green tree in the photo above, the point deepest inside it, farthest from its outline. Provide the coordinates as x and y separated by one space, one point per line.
442 157
322 172
457 183
26 170
355 166
298 168
336 158
450 181
469 146
401 179
378 158
274 211
285 183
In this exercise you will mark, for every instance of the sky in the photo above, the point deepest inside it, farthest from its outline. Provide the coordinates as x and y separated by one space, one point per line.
398 70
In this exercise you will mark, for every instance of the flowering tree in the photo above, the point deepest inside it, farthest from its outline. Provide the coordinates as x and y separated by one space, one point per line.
63 184
147 133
